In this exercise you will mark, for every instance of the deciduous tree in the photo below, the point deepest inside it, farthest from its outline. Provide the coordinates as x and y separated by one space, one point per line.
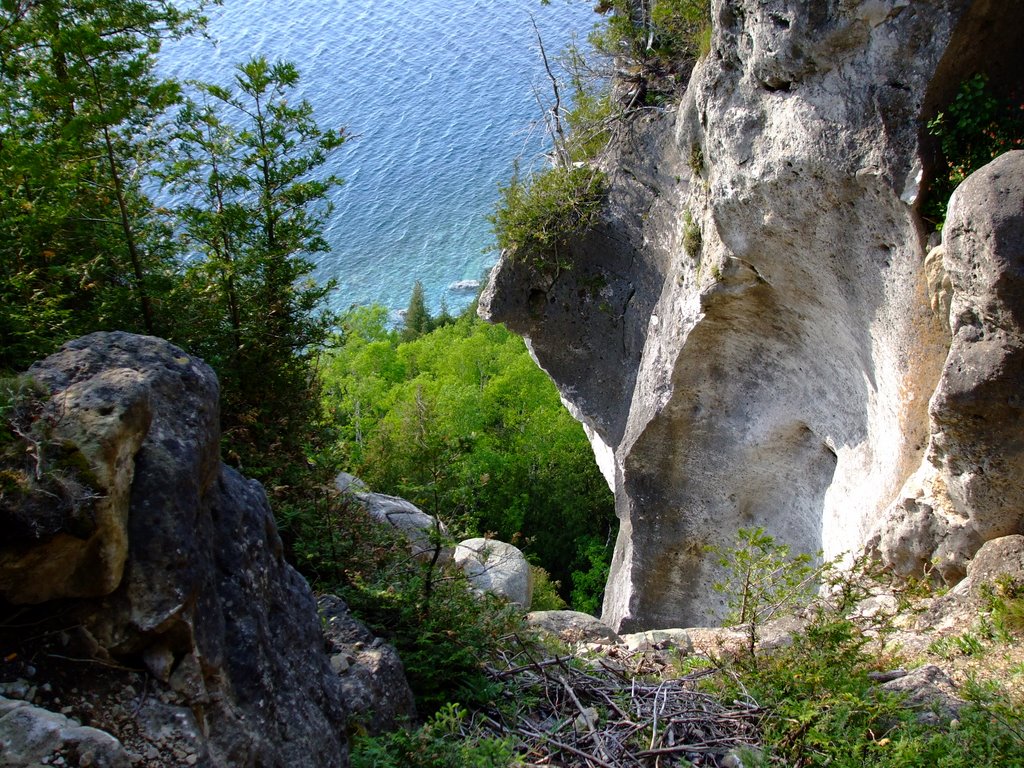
80 106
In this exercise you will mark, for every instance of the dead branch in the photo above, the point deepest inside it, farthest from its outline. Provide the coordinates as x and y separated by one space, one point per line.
615 711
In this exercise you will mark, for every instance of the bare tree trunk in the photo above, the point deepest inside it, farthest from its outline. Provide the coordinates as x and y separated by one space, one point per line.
553 117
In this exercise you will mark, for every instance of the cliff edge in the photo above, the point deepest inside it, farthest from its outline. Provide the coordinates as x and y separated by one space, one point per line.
758 331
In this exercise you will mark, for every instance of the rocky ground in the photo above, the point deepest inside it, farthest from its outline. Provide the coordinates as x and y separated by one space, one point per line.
64 702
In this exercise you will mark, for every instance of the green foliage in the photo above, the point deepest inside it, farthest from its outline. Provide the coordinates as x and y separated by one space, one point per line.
821 706
696 159
444 632
1006 603
681 29
80 117
589 120
762 580
588 582
85 132
417 319
693 240
461 422
974 129
657 39
590 117
442 637
242 159
545 592
823 709
536 220
439 743
1002 622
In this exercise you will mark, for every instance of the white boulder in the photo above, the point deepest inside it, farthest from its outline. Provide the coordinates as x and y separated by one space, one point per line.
496 567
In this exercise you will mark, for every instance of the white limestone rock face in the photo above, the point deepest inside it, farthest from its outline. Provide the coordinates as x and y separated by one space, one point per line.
496 567
778 374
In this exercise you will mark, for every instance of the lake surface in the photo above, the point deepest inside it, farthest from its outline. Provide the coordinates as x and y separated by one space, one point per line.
441 95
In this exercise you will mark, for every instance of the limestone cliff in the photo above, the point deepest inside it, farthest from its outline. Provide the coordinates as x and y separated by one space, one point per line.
754 335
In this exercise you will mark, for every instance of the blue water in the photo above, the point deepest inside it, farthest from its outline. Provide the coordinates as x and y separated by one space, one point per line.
441 95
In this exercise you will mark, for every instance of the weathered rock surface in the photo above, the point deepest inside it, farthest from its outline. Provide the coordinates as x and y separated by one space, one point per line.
425 532
776 371
930 692
573 627
348 483
204 598
496 567
968 488
659 640
958 609
30 736
372 676
103 419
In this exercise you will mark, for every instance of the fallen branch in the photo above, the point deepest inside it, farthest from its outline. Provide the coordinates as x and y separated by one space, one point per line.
617 712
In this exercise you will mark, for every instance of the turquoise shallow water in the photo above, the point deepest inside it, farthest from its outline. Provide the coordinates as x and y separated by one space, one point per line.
441 97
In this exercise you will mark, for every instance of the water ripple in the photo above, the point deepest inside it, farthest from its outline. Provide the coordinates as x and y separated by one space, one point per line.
439 93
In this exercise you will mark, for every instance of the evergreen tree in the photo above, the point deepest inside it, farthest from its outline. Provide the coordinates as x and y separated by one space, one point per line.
244 156
417 318
79 108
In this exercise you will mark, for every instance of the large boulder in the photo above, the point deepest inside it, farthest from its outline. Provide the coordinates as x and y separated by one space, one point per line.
496 567
31 736
573 627
425 532
958 609
968 488
191 570
753 331
428 536
78 549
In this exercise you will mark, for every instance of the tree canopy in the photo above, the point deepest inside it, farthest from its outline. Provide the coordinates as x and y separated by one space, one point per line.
253 210
80 119
463 423
88 135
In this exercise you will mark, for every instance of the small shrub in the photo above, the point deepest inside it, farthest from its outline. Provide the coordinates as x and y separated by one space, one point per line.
671 34
545 592
696 159
682 28
443 631
588 585
693 240
441 742
1006 602
536 220
821 706
763 579
590 117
